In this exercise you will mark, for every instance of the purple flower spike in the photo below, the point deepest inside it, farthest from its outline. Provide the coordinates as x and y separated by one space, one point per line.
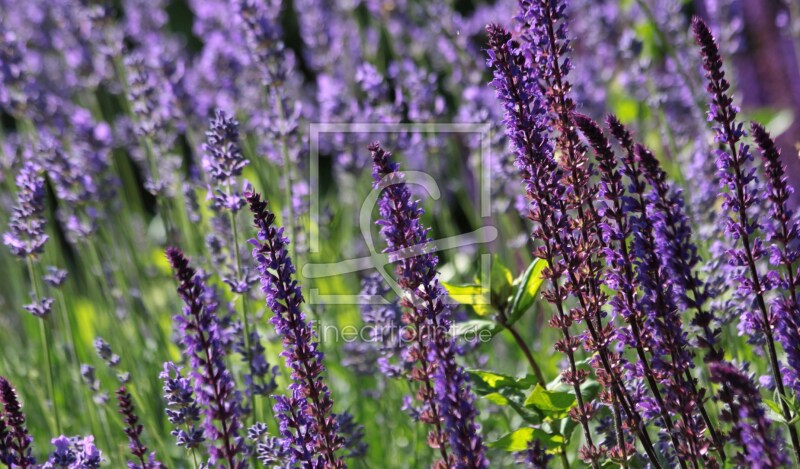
15 446
223 160
200 336
746 247
752 430
783 231
452 398
321 440
25 236
677 252
182 409
134 431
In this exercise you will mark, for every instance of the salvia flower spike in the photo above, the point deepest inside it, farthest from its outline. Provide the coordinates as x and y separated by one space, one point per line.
199 332
309 408
134 431
737 174
15 448
401 227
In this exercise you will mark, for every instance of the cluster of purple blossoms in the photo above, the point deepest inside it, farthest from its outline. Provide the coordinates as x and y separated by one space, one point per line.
752 431
223 161
783 232
308 425
26 236
73 453
384 346
200 336
444 392
182 409
639 228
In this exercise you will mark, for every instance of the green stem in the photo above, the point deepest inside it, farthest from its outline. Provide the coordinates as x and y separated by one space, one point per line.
537 371
46 343
563 455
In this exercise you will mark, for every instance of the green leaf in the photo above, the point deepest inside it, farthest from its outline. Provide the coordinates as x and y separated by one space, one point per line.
502 280
464 294
527 286
555 404
497 398
483 310
495 380
482 329
775 413
518 440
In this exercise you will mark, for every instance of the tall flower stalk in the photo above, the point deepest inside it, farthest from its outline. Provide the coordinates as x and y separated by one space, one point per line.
546 45
752 430
559 191
520 95
224 163
784 232
26 238
213 384
734 163
450 399
134 431
306 416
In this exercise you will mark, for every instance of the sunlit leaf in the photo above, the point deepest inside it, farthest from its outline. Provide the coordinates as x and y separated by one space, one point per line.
518 440
528 285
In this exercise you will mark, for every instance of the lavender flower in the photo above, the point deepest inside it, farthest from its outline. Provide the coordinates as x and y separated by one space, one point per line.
64 455
557 193
134 431
40 307
270 451
451 399
147 91
16 446
213 384
385 323
182 409
26 236
104 350
676 251
74 453
55 277
300 349
752 430
223 160
526 127
261 379
353 435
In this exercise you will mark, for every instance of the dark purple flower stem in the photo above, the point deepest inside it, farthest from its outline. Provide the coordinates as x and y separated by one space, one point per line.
780 195
285 299
657 179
